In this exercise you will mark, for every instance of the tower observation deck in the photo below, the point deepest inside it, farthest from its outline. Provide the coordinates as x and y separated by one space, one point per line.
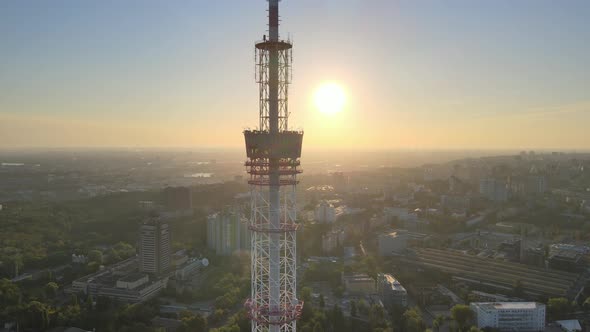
273 153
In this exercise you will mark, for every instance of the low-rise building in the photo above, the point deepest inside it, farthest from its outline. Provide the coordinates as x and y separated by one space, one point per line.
190 269
396 241
358 283
132 281
510 316
393 243
120 281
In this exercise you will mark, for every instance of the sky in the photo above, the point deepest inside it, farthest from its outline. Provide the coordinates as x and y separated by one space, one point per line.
418 74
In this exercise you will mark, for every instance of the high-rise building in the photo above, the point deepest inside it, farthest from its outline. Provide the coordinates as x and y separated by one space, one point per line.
154 246
332 239
325 213
494 190
510 316
226 233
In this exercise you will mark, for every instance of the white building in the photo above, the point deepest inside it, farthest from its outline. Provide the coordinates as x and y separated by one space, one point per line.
325 213
510 316
226 233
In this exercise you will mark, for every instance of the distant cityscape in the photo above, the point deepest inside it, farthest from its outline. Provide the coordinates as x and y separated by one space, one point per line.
492 242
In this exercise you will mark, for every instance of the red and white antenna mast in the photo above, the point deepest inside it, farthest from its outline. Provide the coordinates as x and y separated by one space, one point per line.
273 153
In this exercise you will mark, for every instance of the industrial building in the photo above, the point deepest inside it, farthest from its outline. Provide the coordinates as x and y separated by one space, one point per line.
392 293
121 281
500 275
568 257
227 233
510 316
154 247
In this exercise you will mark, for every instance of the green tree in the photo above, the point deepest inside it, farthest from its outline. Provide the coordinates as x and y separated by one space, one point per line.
9 293
362 307
51 289
318 327
35 315
377 317
558 307
371 264
413 321
95 256
194 323
337 318
438 322
70 315
306 294
322 301
462 314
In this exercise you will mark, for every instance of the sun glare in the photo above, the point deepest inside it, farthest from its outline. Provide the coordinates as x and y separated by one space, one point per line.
330 98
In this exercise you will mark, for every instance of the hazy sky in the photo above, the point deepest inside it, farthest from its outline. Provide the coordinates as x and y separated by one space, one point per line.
417 73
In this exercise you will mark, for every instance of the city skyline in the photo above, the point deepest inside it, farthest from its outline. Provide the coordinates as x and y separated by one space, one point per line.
429 75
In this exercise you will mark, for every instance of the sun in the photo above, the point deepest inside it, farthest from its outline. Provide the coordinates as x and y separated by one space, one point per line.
330 98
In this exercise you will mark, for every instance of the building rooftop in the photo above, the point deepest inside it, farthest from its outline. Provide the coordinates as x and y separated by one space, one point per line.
569 325
132 277
357 277
393 283
498 274
507 305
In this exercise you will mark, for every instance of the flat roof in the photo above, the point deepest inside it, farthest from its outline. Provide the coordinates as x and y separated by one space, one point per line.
133 277
507 305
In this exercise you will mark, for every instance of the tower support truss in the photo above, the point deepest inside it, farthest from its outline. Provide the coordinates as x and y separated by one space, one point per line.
273 153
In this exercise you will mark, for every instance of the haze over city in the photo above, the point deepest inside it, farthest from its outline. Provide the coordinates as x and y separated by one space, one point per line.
415 74
294 166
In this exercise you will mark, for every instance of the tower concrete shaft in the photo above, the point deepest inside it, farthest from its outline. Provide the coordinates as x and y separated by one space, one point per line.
273 153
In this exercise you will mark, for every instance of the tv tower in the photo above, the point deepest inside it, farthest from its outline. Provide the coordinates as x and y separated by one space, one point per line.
273 153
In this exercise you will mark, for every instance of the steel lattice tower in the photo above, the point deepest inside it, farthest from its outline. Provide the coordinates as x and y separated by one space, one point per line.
273 153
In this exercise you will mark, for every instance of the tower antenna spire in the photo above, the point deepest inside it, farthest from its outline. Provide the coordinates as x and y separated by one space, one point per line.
273 153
